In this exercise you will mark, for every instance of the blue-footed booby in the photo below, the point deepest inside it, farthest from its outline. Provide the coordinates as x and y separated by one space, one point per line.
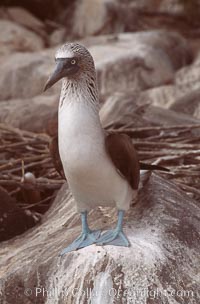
102 169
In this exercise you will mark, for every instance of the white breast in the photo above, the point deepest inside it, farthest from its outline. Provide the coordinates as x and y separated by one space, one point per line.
80 136
92 177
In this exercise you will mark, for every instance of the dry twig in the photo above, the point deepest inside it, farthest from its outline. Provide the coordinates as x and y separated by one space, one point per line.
174 146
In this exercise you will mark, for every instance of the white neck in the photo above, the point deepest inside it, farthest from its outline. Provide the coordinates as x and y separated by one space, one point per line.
81 91
79 111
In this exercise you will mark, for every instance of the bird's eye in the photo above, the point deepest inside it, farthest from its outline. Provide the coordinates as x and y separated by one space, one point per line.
73 61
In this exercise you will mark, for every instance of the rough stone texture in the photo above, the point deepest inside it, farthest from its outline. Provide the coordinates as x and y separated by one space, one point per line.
164 96
24 75
168 117
140 60
30 114
189 77
15 38
98 12
161 266
165 6
23 17
124 108
139 68
188 104
58 36
93 17
108 16
185 88
114 16
135 109
174 7
132 107
44 9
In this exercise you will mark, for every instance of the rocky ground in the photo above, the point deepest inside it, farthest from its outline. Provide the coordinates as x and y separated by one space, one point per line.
147 56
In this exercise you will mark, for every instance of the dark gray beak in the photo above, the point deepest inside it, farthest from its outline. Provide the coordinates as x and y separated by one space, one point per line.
57 75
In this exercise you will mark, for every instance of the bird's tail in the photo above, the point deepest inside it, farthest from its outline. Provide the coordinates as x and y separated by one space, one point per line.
144 166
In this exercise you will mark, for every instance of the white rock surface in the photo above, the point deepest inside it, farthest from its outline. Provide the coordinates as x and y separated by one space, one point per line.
137 110
166 95
188 104
128 61
189 77
138 68
110 16
161 266
24 75
98 12
32 114
38 113
15 38
23 17
57 37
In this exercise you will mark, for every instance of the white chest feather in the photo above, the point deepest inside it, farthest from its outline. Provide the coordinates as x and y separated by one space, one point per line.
81 138
91 175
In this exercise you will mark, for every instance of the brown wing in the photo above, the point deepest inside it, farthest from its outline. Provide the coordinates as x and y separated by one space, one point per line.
124 156
120 150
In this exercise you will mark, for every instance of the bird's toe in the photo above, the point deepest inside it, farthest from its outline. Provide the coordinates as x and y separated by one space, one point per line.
84 240
113 237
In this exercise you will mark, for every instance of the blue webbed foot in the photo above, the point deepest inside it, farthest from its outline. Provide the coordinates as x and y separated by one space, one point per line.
113 237
86 238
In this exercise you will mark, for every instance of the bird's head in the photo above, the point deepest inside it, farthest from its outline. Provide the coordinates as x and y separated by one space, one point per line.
73 61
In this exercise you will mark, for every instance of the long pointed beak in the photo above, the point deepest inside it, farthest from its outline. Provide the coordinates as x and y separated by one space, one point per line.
57 75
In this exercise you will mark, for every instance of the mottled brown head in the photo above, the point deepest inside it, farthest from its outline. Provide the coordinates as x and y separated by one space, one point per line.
73 61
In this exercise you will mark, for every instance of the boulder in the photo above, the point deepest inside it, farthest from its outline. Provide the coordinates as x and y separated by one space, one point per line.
43 9
138 68
136 109
124 109
23 17
32 114
133 108
101 19
183 94
141 60
58 36
161 266
189 77
168 117
172 7
108 16
15 38
157 53
166 95
24 75
188 104
114 16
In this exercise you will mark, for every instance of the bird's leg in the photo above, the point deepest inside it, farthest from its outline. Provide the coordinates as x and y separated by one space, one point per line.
116 236
86 238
